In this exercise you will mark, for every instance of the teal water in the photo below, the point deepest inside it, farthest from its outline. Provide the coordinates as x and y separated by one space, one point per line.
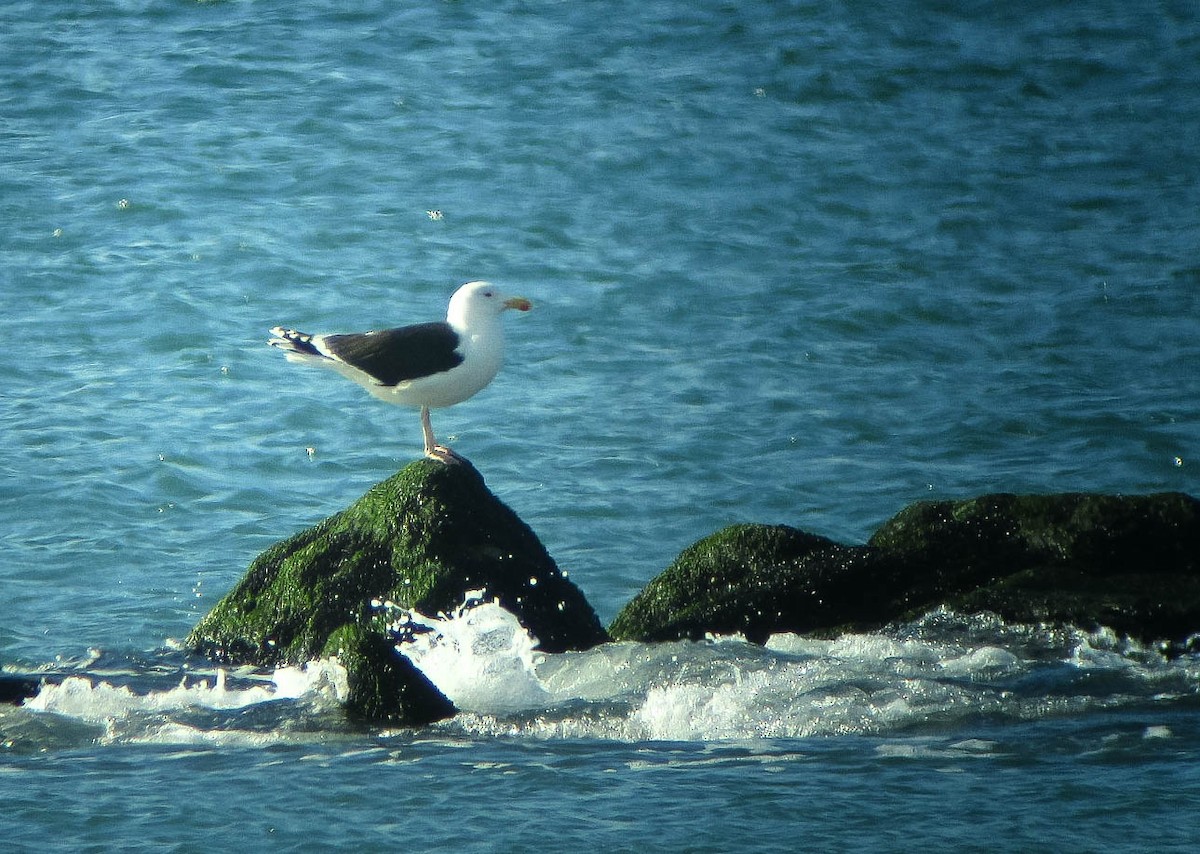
791 262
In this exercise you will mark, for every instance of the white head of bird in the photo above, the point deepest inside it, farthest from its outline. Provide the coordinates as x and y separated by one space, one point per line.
478 303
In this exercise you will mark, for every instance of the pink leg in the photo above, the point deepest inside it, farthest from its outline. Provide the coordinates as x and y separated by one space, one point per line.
432 448
427 429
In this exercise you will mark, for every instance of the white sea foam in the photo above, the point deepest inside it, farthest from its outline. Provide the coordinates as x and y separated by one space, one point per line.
726 689
721 689
796 699
102 702
480 657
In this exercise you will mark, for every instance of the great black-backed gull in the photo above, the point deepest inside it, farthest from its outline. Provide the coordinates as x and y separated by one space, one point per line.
428 365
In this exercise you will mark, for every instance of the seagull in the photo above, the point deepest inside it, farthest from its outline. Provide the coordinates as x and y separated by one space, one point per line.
427 365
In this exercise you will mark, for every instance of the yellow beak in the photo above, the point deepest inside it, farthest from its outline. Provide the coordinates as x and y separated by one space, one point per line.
519 303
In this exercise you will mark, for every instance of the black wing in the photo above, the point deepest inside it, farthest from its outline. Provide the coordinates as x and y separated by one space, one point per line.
393 356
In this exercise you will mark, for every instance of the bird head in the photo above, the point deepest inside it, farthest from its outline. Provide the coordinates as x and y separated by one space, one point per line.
475 301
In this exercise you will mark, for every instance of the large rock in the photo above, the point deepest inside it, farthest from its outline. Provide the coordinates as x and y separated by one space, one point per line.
421 539
384 685
1131 563
752 579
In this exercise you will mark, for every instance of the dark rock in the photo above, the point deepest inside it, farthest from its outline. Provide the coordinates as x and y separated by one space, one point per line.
385 685
421 540
1131 563
14 690
763 579
753 579
1126 562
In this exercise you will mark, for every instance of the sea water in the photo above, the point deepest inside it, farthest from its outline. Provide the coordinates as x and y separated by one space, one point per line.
796 263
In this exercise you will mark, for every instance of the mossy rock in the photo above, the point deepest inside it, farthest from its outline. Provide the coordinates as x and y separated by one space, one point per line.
749 579
421 539
384 684
1131 563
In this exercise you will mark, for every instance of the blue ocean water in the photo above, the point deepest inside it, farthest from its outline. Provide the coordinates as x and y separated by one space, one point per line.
798 262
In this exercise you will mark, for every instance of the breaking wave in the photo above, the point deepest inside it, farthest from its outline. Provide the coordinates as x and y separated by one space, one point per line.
939 674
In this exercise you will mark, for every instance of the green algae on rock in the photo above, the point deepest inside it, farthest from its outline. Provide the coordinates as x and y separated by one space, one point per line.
421 539
1130 563
384 684
737 580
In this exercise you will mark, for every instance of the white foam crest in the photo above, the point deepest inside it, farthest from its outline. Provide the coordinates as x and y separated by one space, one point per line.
623 671
480 657
98 702
985 662
324 678
730 691
183 735
723 689
698 712
791 700
907 656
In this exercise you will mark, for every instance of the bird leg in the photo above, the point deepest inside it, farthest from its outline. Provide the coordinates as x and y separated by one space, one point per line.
427 429
432 449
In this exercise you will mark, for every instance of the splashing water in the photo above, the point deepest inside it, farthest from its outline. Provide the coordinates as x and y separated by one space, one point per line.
81 698
938 673
935 673
191 712
480 656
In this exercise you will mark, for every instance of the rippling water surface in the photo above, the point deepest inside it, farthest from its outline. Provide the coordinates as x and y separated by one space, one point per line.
792 262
